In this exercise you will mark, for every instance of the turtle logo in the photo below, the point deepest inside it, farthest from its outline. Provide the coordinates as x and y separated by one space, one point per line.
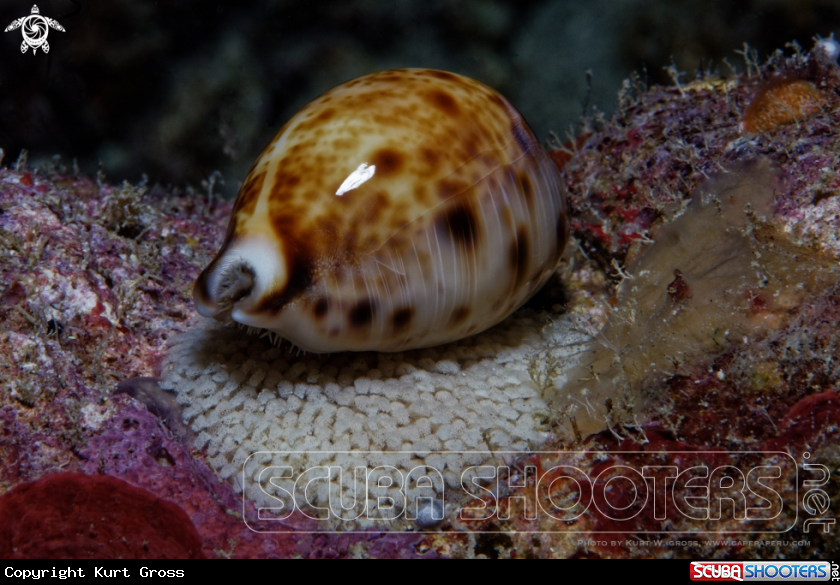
35 28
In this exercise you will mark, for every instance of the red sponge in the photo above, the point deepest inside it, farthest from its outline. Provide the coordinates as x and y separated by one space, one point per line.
77 516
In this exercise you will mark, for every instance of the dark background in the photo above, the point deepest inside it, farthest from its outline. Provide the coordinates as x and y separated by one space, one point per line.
178 90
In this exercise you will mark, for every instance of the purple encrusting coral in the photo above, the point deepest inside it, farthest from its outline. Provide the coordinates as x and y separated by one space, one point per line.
96 278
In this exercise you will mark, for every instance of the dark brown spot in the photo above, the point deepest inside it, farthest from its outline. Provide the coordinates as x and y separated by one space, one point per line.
328 226
390 77
402 318
284 184
444 102
471 146
497 99
348 248
679 290
527 189
519 255
445 75
562 225
448 188
459 223
430 156
321 307
459 314
276 301
246 201
420 193
387 161
385 120
362 314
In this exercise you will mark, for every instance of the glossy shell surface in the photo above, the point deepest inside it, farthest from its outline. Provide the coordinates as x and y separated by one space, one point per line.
402 209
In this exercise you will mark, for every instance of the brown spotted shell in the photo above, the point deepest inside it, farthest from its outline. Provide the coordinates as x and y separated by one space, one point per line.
402 209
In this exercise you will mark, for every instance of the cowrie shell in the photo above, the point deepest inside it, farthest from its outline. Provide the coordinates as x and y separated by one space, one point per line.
402 209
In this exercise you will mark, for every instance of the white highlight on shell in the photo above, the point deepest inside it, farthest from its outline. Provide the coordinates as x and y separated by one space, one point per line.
358 177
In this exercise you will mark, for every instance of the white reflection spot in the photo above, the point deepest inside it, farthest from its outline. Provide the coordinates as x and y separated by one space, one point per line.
362 173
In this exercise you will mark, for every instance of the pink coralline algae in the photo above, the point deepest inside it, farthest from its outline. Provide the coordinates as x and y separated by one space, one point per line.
641 166
95 279
77 516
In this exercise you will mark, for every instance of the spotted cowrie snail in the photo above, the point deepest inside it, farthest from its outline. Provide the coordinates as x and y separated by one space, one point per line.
402 209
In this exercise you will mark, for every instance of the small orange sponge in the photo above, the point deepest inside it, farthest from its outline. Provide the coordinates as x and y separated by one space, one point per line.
780 103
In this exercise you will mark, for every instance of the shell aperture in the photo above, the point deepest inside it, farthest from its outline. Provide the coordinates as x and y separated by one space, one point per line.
399 210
